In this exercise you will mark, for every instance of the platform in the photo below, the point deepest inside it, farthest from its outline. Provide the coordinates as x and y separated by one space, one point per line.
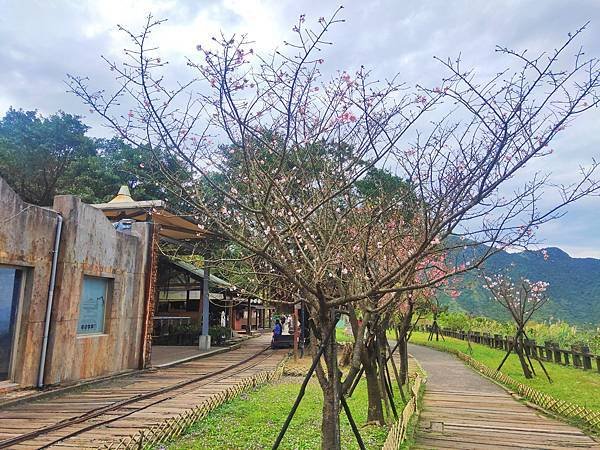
104 413
166 355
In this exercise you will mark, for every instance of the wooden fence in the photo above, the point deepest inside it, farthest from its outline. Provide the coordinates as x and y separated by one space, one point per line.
397 434
585 418
578 356
173 427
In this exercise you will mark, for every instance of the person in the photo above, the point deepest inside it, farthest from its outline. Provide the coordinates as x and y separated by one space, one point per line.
277 330
282 321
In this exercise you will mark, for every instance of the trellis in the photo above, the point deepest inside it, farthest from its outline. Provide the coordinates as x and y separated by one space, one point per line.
173 427
397 434
586 418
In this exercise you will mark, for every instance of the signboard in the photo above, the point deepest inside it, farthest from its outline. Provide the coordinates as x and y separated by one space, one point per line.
92 305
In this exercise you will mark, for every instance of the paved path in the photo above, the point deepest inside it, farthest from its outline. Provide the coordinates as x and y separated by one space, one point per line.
463 410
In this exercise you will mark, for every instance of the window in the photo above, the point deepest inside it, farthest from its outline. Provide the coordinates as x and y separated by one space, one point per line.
93 305
10 290
192 305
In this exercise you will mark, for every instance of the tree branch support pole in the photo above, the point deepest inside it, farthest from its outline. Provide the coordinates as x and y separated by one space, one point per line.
396 374
382 361
356 381
359 440
313 366
540 362
508 352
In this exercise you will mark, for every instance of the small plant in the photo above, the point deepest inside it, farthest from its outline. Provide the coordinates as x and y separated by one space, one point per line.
218 335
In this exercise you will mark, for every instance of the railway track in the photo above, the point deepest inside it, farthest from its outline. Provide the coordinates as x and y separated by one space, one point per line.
148 406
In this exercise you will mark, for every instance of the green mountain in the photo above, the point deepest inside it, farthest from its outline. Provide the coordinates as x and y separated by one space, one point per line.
574 291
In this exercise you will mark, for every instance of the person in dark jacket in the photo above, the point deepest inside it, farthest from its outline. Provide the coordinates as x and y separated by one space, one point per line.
277 330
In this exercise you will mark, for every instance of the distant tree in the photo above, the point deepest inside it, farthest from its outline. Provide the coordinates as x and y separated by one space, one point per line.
41 157
36 152
522 299
115 163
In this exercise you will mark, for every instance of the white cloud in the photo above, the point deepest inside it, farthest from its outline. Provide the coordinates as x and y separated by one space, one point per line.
42 41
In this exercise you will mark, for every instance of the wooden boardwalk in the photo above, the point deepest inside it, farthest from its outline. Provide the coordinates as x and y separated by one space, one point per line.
115 423
463 410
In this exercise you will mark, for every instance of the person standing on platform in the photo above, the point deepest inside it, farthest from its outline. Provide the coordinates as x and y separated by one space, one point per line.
277 330
283 324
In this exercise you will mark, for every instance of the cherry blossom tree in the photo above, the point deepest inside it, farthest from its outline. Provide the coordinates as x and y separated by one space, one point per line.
522 299
277 151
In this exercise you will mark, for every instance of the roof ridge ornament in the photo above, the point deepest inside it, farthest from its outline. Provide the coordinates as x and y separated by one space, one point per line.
123 196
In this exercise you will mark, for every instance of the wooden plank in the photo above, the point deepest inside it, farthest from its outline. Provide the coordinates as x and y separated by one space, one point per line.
128 419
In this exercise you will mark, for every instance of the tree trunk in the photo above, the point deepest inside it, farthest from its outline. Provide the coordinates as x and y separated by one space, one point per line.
375 410
330 385
402 337
382 383
330 426
403 349
519 350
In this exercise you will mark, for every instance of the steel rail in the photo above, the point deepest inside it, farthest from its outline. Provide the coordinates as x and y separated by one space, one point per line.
116 405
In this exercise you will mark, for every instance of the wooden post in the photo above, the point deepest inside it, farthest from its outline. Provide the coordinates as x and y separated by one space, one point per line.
587 358
540 351
151 296
533 348
231 314
566 357
548 350
576 356
556 351
249 321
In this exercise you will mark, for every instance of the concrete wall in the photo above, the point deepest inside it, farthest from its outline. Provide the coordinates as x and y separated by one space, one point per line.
89 246
26 240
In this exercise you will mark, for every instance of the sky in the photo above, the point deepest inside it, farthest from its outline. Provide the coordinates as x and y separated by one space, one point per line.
43 40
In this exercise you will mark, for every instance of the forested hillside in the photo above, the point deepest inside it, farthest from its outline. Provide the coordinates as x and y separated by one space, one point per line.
574 290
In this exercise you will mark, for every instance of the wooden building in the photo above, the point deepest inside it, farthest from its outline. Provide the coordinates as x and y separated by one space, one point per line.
180 285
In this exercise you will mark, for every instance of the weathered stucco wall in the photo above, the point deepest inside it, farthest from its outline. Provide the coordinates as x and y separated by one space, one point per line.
89 246
27 240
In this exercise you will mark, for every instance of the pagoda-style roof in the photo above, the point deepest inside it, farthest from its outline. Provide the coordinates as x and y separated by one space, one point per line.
172 226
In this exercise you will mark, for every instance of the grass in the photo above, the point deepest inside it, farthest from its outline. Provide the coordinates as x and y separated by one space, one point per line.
254 419
342 336
569 384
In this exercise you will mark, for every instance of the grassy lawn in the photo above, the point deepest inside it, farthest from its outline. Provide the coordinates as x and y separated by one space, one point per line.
570 384
254 419
342 336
